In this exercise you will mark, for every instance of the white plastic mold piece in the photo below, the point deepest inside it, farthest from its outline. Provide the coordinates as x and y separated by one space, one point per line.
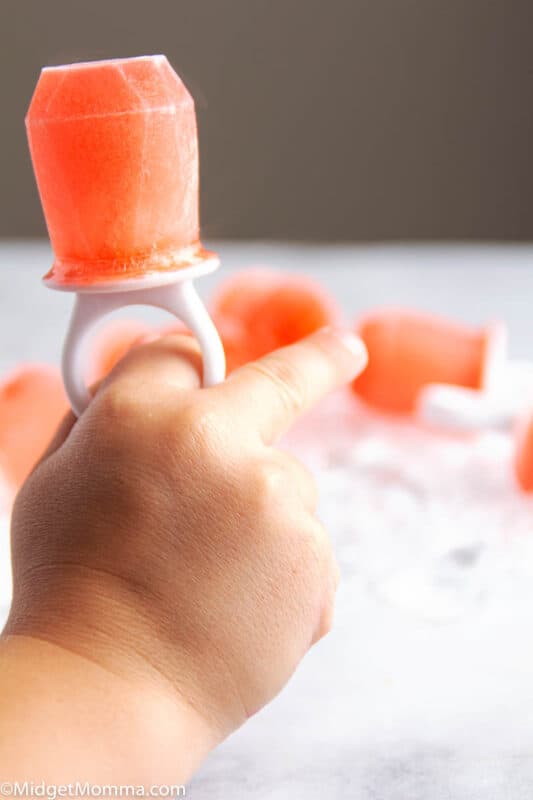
174 293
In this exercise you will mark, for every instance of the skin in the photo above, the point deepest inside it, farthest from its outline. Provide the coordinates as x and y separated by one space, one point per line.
169 570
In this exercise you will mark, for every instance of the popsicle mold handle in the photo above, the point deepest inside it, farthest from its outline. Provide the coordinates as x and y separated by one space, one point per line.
180 299
508 396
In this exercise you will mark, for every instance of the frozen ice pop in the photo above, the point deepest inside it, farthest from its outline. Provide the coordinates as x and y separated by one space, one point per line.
115 153
523 459
409 350
259 310
32 402
113 342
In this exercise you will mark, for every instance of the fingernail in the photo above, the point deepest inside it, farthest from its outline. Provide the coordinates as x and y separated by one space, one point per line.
351 342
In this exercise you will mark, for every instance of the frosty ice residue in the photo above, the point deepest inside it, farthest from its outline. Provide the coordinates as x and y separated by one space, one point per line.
430 523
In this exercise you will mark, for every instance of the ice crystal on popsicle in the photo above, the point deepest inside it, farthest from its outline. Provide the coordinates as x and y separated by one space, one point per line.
115 152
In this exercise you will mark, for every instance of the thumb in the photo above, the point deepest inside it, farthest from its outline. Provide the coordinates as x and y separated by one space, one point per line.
271 393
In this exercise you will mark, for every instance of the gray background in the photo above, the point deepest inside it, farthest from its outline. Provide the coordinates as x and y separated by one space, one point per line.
319 119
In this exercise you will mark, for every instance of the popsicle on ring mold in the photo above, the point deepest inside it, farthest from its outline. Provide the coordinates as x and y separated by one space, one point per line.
450 375
115 154
408 350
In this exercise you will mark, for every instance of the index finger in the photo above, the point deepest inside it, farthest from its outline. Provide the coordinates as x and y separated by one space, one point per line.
270 394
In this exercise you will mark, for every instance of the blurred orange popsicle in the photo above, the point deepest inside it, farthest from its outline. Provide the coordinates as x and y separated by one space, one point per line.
408 350
32 403
258 310
112 343
523 459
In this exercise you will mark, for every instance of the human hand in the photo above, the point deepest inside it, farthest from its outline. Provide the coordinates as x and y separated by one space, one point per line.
163 535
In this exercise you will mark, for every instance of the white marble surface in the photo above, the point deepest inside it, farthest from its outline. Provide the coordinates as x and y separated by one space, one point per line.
424 690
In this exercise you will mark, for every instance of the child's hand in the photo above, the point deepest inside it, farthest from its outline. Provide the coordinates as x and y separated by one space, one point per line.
163 536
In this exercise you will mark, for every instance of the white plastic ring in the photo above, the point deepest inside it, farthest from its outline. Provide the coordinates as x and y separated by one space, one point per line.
180 299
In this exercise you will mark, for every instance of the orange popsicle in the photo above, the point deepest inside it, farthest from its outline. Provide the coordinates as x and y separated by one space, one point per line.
259 310
113 342
32 403
115 153
523 459
408 350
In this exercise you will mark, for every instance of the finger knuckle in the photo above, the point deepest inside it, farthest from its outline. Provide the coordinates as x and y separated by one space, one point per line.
192 419
304 481
317 549
118 403
285 378
196 425
268 482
